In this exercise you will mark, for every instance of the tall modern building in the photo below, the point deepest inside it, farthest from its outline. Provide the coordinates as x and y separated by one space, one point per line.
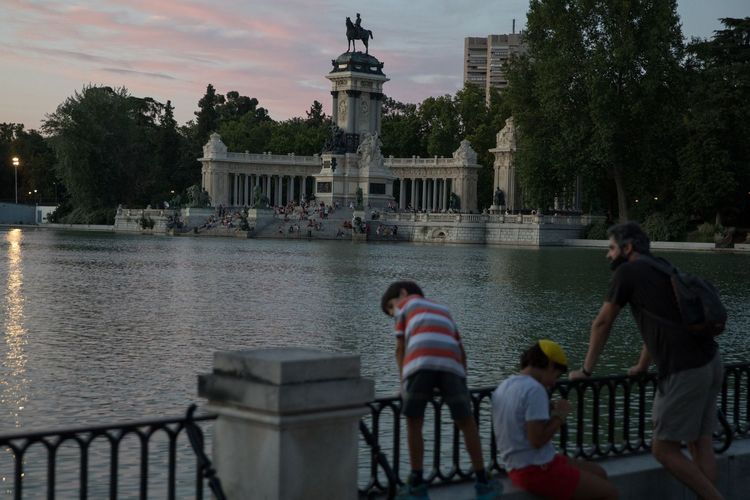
484 58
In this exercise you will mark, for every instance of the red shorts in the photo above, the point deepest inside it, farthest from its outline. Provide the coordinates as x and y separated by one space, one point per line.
557 479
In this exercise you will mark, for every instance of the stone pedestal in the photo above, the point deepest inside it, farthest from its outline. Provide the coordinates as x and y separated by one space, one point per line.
288 422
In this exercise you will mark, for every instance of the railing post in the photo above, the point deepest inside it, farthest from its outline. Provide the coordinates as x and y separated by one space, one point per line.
287 423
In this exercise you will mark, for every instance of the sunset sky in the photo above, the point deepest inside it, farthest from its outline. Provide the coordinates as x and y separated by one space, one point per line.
277 51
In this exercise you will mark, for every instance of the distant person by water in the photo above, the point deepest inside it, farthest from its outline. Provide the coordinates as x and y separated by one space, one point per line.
525 422
430 356
688 364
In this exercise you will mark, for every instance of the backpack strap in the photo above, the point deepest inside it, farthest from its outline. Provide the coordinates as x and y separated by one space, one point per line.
667 268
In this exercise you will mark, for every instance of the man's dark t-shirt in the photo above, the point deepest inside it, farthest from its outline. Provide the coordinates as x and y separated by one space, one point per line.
672 348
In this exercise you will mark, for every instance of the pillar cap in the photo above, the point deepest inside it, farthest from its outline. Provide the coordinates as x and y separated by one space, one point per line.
287 365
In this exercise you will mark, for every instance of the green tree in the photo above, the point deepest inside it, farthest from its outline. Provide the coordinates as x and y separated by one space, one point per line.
599 95
315 115
8 134
38 169
169 149
208 116
441 125
401 130
104 141
715 160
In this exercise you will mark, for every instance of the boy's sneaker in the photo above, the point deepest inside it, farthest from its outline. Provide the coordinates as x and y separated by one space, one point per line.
488 491
409 492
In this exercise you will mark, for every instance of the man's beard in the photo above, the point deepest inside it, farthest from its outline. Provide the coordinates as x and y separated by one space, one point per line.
615 263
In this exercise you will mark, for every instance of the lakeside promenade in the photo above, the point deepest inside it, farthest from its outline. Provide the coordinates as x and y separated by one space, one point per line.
288 423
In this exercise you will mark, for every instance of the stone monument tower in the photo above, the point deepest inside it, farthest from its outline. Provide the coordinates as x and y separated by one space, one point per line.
506 186
352 157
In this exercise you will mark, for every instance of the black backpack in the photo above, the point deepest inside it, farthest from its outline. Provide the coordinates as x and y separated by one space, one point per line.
698 301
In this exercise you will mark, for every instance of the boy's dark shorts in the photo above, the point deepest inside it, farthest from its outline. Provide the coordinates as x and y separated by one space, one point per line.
419 388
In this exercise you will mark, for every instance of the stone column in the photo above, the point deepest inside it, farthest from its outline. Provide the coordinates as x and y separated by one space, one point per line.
335 114
247 188
377 110
424 194
289 188
413 193
278 190
402 194
445 194
434 192
287 425
351 110
268 189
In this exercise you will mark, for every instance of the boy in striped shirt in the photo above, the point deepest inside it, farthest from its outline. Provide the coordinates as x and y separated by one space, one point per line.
430 355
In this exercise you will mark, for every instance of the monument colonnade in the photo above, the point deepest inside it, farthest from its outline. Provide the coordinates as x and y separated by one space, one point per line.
426 184
423 184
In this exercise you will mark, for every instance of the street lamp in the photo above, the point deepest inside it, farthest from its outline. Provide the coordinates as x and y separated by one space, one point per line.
16 162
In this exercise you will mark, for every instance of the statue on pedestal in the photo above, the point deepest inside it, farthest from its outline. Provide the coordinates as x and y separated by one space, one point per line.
498 198
357 32
454 202
336 141
360 199
369 151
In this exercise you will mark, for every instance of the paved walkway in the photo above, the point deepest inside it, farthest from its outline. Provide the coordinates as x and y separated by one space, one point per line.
639 477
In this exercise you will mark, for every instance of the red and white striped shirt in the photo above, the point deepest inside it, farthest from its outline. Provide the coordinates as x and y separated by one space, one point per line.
431 338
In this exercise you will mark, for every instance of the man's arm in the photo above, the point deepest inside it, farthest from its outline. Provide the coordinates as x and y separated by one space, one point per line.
400 354
600 329
644 361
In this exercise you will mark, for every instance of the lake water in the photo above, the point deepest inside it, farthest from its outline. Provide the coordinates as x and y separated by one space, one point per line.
100 328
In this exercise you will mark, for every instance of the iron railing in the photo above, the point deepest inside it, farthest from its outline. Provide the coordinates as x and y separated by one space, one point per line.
106 442
611 417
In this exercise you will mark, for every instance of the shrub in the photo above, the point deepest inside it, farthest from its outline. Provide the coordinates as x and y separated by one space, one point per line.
596 231
703 233
662 227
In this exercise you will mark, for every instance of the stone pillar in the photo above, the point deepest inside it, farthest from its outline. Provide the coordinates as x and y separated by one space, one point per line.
289 188
402 194
268 189
278 190
413 194
434 194
445 194
335 110
351 96
287 425
377 110
424 195
247 189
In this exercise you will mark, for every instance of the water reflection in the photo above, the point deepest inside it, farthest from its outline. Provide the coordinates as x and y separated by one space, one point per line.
13 393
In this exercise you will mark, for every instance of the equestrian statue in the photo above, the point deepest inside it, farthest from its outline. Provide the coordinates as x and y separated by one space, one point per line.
354 31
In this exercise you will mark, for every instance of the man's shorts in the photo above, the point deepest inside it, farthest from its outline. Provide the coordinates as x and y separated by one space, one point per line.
557 479
419 388
685 403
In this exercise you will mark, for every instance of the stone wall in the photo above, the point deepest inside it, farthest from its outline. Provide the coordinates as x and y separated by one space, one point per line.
129 220
11 213
528 230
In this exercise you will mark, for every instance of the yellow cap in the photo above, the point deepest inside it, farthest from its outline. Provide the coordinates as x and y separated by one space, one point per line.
554 352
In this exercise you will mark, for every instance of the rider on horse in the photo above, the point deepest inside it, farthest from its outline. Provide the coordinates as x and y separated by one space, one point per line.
357 32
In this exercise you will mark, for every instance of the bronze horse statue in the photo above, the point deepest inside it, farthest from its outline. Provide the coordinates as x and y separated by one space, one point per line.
356 33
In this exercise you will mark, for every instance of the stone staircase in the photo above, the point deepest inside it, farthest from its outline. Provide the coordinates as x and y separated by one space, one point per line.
278 229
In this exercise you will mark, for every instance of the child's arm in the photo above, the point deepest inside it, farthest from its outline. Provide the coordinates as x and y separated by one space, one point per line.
540 432
400 354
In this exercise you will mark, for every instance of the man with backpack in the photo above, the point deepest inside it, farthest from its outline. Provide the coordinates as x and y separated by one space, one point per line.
678 316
